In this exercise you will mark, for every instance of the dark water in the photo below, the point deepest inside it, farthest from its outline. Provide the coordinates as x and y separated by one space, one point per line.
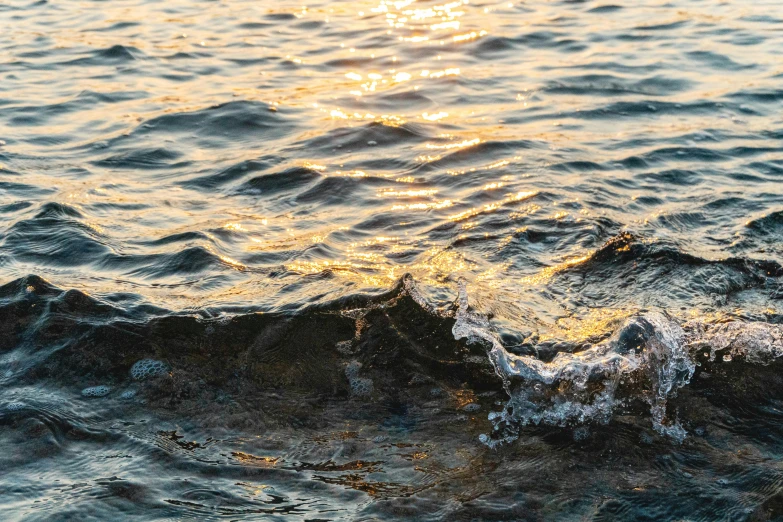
391 261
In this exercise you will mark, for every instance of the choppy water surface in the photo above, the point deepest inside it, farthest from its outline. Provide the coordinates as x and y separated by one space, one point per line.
391 261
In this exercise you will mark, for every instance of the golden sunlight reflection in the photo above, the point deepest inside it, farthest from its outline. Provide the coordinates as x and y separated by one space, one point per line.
438 264
547 273
510 198
595 324
391 193
367 274
233 263
434 117
234 226
424 206
365 262
460 145
352 173
313 166
378 70
468 36
419 108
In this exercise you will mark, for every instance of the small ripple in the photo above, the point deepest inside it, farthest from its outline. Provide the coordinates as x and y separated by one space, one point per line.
353 138
677 177
610 85
56 236
290 179
768 225
662 27
143 158
602 9
191 260
232 173
232 123
114 55
718 61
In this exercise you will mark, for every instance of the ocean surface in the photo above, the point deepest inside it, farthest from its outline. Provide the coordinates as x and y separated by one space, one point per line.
391 260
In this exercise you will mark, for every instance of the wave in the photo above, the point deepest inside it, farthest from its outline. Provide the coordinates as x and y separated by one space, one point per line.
392 348
649 358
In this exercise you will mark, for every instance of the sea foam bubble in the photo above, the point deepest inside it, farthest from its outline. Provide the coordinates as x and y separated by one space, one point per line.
146 368
96 391
360 387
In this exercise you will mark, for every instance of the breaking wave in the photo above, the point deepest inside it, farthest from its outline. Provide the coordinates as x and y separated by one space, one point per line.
649 358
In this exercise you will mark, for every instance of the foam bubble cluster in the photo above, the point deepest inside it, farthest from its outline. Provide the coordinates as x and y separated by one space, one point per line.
360 387
146 368
344 347
15 406
96 391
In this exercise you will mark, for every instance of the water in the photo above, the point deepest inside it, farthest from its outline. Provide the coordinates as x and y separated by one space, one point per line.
391 261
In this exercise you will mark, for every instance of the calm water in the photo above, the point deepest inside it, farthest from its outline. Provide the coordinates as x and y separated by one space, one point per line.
391 261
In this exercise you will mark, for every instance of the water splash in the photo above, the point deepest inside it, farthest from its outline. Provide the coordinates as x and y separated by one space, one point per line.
649 358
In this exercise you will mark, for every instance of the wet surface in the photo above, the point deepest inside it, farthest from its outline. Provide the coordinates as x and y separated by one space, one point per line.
391 261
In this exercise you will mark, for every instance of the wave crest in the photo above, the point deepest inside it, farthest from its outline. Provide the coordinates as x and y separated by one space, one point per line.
648 359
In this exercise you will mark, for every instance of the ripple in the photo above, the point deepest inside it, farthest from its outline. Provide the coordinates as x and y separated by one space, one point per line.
114 55
287 207
287 180
153 158
55 236
191 260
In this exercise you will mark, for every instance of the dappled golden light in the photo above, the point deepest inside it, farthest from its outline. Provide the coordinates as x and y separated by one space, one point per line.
399 93
510 198
595 324
424 206
547 273
412 258
391 193
460 145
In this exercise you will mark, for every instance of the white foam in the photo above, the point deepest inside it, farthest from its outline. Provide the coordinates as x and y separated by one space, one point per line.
360 387
147 368
581 387
758 343
96 391
409 284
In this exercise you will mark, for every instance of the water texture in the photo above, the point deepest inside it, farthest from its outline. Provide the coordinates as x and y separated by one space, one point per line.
391 260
